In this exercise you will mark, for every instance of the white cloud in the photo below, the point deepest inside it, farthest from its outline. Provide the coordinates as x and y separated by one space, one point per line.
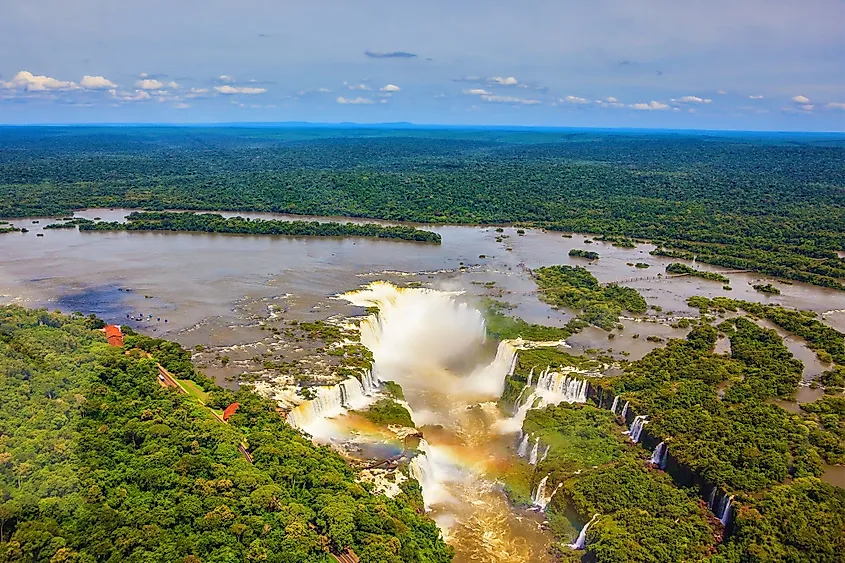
652 105
97 83
801 99
477 92
25 80
196 92
692 100
357 86
322 90
358 100
807 107
225 79
173 85
755 97
509 100
575 100
229 90
504 81
836 105
391 88
182 105
611 100
149 84
136 96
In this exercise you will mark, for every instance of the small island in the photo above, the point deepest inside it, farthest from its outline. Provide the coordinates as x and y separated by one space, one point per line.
766 288
683 269
580 253
216 223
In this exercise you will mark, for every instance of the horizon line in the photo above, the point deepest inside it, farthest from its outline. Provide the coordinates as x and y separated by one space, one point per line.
409 125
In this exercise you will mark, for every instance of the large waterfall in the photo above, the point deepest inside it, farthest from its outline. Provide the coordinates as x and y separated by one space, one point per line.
581 541
424 469
552 388
539 497
658 457
332 401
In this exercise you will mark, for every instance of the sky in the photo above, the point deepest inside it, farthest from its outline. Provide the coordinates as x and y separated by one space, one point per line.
679 64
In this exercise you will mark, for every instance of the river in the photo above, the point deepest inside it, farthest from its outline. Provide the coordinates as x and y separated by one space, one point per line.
220 291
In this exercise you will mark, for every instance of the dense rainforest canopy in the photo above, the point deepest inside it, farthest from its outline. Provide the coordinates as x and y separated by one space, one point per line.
99 463
773 204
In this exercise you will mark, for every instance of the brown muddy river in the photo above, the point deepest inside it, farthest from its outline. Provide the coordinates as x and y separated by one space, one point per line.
214 289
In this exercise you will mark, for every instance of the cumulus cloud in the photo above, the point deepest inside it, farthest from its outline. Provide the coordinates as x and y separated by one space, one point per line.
508 100
504 81
136 96
196 92
836 105
692 100
358 100
25 80
96 83
652 105
477 92
575 100
391 88
389 54
149 84
801 99
755 97
225 79
230 90
611 100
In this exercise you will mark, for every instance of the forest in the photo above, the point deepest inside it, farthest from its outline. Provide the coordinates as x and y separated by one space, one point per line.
773 204
216 223
98 462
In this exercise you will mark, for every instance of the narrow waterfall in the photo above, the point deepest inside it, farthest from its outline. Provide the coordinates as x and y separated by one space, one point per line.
513 365
545 454
370 381
615 404
625 409
516 403
581 541
637 428
711 501
522 451
423 469
534 452
658 457
725 510
530 377
538 497
329 402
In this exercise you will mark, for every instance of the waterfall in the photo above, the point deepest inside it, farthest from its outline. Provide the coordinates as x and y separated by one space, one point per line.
615 404
522 451
545 454
658 457
425 473
530 377
725 509
329 402
370 381
637 428
534 452
711 501
625 409
513 365
538 497
581 541
556 388
518 399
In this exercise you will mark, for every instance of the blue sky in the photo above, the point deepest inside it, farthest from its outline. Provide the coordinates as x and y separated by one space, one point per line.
719 64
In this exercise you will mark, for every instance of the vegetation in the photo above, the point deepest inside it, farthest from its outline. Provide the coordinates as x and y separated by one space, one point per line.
683 269
772 204
214 223
576 288
98 462
388 412
766 288
641 265
580 253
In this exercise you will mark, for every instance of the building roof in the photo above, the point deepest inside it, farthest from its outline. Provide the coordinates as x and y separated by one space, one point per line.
114 335
230 410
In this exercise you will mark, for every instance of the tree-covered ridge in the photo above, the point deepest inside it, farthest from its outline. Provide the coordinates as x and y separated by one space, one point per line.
98 462
769 204
215 223
576 288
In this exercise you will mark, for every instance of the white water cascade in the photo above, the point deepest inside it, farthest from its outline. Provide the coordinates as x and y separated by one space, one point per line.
637 428
556 388
711 500
725 510
615 404
581 541
532 459
331 401
545 454
658 457
530 377
426 472
624 410
538 497
522 451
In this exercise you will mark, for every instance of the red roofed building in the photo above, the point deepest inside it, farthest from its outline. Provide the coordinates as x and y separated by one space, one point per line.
230 410
114 335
